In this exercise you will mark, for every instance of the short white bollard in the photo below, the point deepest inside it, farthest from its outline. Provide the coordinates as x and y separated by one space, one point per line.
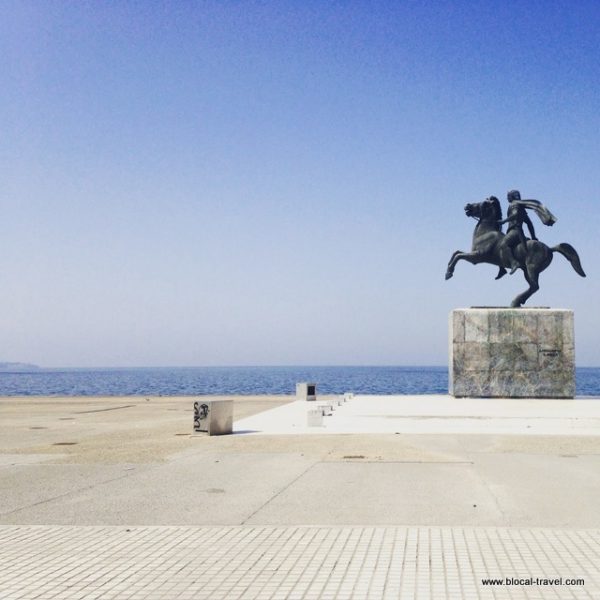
314 418
325 408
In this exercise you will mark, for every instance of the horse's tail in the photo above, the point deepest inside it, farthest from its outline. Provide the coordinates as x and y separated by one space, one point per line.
571 255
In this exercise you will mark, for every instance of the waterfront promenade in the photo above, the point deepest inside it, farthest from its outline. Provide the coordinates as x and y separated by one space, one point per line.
397 497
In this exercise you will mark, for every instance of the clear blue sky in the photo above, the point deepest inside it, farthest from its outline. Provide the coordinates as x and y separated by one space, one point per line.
246 183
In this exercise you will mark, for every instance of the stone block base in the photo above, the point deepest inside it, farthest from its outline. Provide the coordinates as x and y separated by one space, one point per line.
512 353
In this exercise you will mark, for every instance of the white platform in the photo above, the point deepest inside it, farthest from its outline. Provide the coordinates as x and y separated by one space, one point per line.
434 414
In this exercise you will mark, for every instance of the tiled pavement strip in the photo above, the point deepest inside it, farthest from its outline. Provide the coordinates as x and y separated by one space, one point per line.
170 563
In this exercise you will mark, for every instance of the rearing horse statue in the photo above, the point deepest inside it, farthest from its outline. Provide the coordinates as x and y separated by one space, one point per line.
534 256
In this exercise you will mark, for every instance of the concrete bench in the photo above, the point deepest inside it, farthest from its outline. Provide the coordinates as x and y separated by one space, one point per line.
213 417
306 391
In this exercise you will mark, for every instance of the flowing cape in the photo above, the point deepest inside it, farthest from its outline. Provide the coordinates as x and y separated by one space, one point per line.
546 217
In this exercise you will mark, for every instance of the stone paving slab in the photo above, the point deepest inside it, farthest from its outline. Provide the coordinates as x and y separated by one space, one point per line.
296 563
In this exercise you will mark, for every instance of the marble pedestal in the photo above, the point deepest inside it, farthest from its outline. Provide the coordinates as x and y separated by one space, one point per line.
512 353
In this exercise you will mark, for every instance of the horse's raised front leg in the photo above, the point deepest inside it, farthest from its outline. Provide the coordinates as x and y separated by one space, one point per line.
472 257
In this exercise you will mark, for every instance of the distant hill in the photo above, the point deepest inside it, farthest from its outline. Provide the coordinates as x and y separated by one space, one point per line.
17 367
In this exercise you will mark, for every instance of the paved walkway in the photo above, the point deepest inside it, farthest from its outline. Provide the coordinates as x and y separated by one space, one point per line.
429 414
295 563
109 499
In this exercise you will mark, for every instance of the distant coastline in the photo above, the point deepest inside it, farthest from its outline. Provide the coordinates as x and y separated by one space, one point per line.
17 367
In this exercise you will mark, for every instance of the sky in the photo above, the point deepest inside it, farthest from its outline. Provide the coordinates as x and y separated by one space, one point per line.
283 183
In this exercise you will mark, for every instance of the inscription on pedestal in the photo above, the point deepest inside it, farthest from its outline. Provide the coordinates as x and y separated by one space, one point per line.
512 353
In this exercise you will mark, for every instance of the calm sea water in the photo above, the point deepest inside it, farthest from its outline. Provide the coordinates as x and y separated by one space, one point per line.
242 380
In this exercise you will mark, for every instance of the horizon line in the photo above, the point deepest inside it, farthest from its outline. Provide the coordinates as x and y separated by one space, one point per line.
245 366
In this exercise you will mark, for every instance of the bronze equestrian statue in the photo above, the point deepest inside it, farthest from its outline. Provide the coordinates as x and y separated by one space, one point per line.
512 251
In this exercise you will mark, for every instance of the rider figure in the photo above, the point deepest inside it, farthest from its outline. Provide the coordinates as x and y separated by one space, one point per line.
516 216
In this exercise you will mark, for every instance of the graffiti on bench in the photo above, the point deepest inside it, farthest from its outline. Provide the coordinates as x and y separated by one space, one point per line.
200 414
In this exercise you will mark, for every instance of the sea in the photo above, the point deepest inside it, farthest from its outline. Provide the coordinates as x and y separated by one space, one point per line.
191 381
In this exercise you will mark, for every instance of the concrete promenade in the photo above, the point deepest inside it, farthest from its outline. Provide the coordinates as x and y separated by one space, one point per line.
395 497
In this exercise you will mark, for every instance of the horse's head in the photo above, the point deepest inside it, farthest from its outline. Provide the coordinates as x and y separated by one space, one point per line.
489 209
473 209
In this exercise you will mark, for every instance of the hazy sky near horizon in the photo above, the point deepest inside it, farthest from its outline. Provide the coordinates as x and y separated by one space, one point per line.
264 183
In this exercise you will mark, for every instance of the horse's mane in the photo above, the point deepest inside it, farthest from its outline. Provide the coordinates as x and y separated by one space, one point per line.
496 207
